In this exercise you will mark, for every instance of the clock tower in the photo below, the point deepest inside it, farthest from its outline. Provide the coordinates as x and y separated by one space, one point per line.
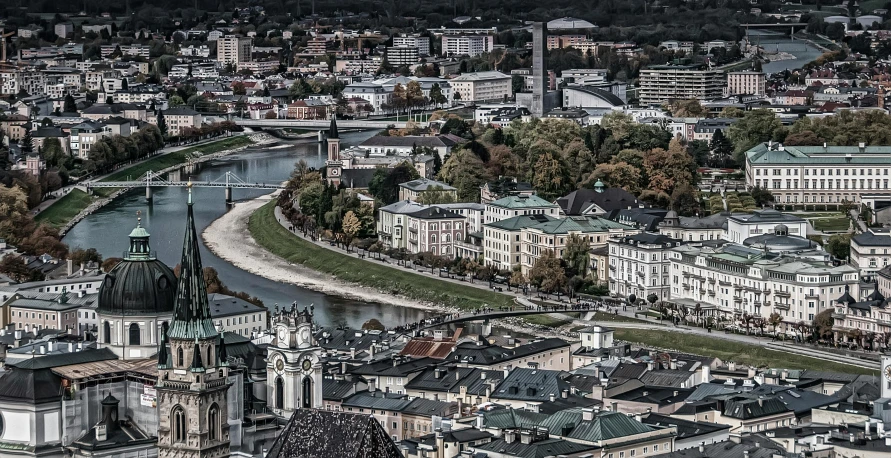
294 365
334 165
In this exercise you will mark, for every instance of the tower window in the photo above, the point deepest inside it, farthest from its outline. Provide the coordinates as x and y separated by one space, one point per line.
179 424
179 357
213 420
106 329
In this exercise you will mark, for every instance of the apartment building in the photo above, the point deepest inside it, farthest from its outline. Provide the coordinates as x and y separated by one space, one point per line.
733 279
663 83
233 50
518 205
398 56
503 239
746 82
316 46
374 94
84 136
871 250
807 175
554 235
180 118
422 43
467 45
38 311
420 228
482 86
639 264
237 315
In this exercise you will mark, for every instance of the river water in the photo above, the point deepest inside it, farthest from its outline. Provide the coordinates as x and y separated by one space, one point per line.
165 219
772 41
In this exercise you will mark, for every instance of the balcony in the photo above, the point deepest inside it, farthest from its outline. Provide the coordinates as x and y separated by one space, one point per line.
737 299
781 305
711 292
413 230
782 294
686 287
613 268
811 296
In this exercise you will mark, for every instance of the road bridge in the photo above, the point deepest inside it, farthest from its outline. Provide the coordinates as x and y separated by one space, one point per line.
494 314
323 124
227 181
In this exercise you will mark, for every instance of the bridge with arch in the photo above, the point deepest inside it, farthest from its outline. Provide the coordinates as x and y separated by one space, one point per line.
150 179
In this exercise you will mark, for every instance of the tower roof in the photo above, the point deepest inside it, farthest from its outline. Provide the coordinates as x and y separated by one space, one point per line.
332 131
191 313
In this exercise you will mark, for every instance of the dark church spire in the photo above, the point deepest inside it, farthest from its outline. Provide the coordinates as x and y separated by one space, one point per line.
332 131
191 313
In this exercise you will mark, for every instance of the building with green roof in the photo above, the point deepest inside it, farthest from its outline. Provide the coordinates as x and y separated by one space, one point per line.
553 236
519 205
819 175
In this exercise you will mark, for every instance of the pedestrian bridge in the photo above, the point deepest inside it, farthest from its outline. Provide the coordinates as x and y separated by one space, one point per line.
446 320
227 181
324 124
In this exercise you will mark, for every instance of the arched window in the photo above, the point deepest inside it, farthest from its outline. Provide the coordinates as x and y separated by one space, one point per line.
307 393
179 357
178 416
445 238
106 331
134 334
459 237
210 362
446 249
213 422
432 238
279 393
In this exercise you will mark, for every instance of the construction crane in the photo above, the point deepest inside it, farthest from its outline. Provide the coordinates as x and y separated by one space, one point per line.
3 36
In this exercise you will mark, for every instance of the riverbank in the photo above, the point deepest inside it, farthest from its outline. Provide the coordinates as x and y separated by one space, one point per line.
77 204
232 238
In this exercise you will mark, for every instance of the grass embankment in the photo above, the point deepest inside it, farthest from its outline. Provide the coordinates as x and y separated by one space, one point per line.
738 352
177 157
64 209
422 287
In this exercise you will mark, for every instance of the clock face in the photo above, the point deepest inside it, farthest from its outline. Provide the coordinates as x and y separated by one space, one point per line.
888 372
279 365
307 365
335 172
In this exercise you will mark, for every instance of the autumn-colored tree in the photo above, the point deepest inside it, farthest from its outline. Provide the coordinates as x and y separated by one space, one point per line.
110 263
547 273
550 178
15 268
620 175
351 227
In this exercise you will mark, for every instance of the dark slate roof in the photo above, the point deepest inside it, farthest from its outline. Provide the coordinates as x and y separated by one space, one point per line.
443 379
729 449
179 111
666 378
222 305
31 386
138 287
377 400
428 407
66 359
402 368
647 219
336 390
345 339
526 384
686 429
491 354
571 401
871 239
424 184
745 407
541 449
655 395
435 213
610 199
309 433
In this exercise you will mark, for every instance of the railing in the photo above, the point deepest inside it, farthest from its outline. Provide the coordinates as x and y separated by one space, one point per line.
811 296
782 294
782 305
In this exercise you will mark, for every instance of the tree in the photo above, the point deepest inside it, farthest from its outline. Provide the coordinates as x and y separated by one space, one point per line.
52 152
436 195
175 101
775 320
385 182
722 149
15 268
516 277
687 108
70 106
80 255
110 263
685 200
374 324
823 324
162 123
436 95
839 246
547 274
757 126
351 227
238 88
551 178
761 195
465 171
576 254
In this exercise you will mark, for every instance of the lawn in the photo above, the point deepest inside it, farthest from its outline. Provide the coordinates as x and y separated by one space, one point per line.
837 223
63 210
273 237
742 353
177 157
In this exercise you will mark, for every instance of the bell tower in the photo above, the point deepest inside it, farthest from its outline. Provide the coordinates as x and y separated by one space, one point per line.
192 370
293 368
334 166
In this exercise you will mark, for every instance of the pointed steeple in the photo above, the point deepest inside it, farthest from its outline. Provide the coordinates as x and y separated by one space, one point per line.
332 130
191 312
163 352
197 364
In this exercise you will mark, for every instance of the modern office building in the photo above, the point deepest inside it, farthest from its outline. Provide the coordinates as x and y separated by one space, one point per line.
746 82
232 49
662 83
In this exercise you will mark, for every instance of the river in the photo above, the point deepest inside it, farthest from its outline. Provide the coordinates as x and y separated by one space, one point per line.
772 41
164 218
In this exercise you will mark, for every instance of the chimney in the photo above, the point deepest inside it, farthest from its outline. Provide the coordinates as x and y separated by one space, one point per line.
353 353
526 437
731 366
564 394
479 421
866 427
745 454
482 375
706 373
702 447
587 414
372 347
651 366
371 385
851 438
70 347
552 397
673 365
509 437
69 266
862 146
637 417
880 428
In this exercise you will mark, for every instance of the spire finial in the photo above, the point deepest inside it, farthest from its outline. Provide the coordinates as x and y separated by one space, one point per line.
189 187
138 218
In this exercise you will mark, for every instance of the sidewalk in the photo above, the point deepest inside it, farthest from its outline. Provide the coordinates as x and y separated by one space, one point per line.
645 322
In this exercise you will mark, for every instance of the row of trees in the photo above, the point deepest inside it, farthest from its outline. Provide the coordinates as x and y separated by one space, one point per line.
108 152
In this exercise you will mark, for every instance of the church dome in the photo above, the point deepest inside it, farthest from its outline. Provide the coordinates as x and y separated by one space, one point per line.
140 284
